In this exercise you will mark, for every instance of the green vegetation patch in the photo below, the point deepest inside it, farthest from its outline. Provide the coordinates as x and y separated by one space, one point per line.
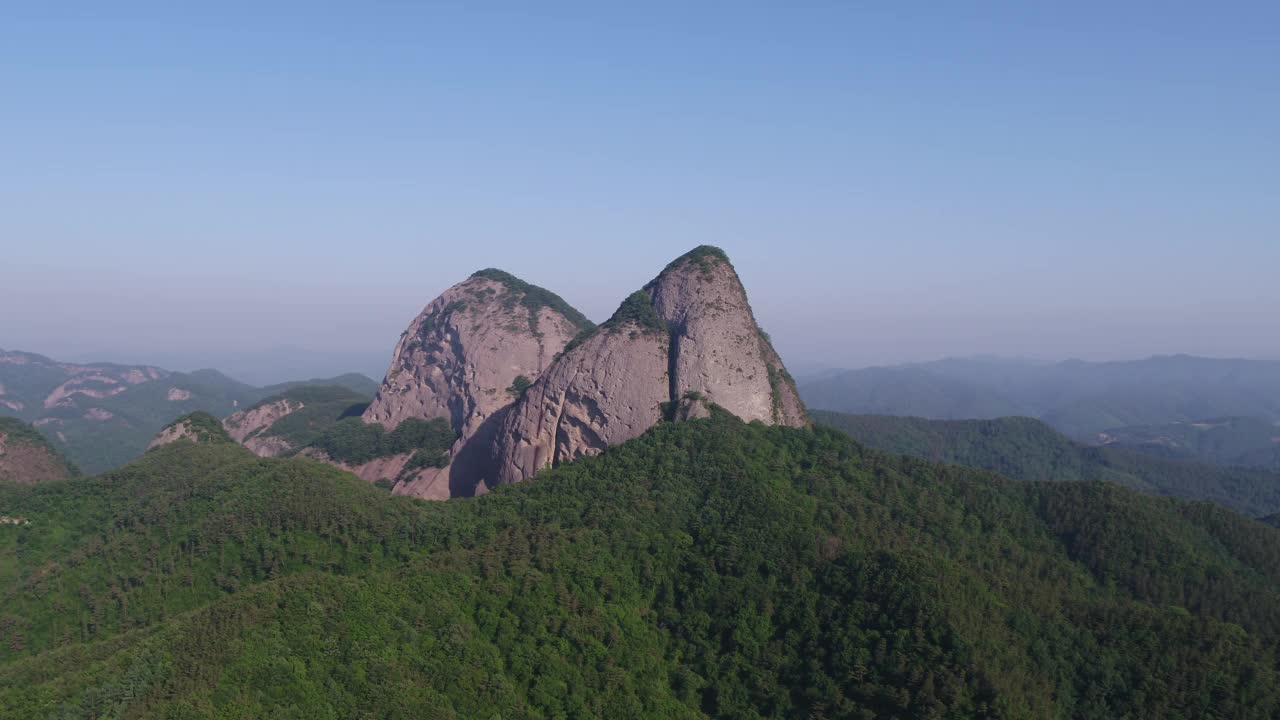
533 298
519 386
355 442
205 428
637 308
577 340
19 432
704 255
775 390
322 406
316 394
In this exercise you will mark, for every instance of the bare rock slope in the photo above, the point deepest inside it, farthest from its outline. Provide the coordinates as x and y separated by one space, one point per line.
466 358
246 426
285 423
26 457
685 342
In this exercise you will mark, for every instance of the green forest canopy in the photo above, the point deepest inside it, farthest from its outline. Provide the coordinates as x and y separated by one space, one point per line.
707 569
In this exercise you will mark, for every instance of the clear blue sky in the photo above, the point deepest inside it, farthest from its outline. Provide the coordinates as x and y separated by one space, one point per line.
895 181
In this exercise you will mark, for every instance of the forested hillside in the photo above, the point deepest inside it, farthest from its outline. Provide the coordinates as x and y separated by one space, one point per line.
1027 449
706 569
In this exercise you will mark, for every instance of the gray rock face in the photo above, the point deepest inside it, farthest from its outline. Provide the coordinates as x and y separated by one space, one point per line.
605 391
461 359
717 349
688 340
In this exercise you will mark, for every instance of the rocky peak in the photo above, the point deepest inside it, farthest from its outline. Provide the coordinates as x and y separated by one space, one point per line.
199 426
717 348
466 358
686 342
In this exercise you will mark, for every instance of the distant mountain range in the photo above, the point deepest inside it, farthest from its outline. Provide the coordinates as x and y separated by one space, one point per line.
1027 449
1080 399
268 366
101 415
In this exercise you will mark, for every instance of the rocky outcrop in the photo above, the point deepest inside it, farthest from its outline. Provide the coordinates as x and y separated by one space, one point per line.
687 342
466 358
247 426
171 434
199 426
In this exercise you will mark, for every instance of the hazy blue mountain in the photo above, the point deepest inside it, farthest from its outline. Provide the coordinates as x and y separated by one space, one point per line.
271 366
906 390
1028 449
1078 398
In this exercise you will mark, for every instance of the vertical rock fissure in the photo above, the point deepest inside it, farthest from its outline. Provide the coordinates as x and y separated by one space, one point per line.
456 404
673 362
554 460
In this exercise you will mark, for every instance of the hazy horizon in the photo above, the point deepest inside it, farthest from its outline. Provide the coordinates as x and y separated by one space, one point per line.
1091 182
266 366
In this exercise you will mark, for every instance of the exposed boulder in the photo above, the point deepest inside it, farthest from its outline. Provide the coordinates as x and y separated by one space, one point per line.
685 343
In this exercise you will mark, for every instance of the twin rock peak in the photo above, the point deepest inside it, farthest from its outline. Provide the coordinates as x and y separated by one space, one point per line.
527 382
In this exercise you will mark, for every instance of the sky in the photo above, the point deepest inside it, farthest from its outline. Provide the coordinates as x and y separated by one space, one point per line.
893 181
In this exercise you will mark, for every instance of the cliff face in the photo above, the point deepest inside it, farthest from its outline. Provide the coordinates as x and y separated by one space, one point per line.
605 391
717 349
686 341
466 358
